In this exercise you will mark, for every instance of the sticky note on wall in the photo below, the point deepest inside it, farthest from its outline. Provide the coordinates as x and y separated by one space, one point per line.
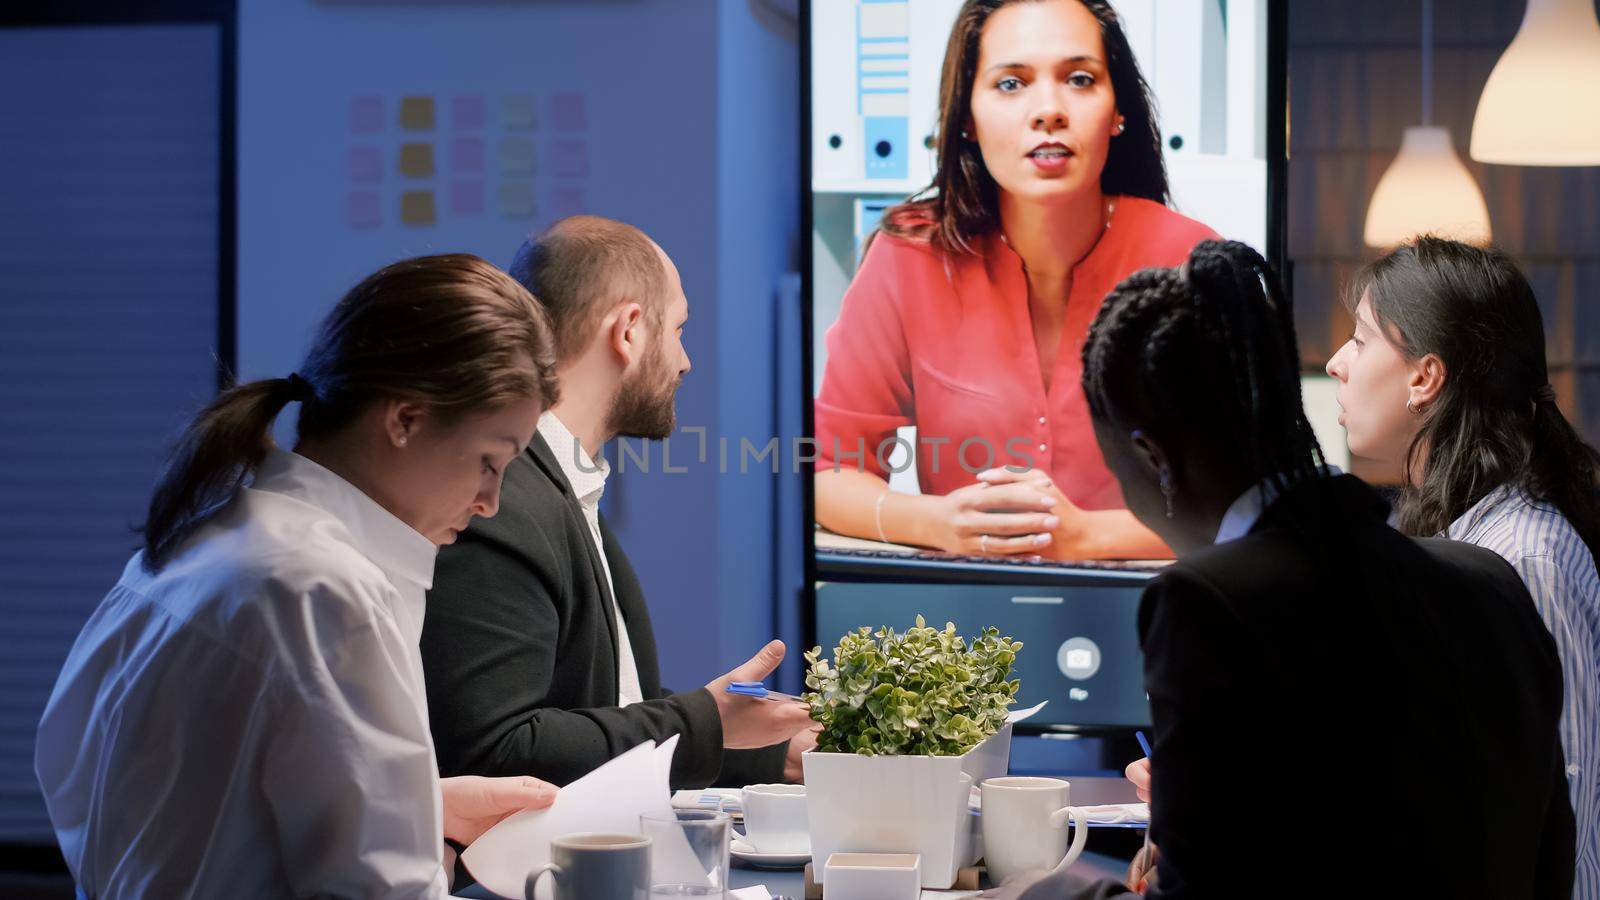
364 165
516 199
362 209
466 155
366 114
569 159
516 156
416 113
416 208
566 201
567 111
416 160
466 111
516 111
466 197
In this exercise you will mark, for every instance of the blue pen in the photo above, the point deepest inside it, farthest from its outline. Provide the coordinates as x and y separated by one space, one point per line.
759 691
1145 746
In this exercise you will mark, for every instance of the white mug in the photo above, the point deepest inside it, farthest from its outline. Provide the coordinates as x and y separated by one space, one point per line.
1024 825
775 818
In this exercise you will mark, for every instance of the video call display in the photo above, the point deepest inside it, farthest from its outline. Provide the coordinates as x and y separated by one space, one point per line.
874 136
926 366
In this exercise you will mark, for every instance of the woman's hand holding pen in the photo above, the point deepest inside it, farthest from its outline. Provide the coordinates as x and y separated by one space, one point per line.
1138 772
994 520
1142 871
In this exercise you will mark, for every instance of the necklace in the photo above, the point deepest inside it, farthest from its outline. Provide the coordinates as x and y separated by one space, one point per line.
1111 210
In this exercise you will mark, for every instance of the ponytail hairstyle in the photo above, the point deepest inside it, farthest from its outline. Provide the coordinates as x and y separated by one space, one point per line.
963 201
1495 422
450 333
1204 358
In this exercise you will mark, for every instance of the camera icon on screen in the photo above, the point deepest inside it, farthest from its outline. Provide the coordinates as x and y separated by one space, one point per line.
1078 658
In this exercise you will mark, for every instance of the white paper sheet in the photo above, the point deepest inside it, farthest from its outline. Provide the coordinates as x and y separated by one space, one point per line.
1017 715
610 799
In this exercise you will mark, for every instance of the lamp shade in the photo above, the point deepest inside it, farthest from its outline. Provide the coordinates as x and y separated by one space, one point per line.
1539 106
1426 190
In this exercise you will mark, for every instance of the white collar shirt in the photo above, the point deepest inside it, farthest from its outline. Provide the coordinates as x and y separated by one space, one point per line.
1243 513
251 720
588 481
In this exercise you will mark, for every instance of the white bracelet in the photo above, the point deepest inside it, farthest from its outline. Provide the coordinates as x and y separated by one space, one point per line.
877 515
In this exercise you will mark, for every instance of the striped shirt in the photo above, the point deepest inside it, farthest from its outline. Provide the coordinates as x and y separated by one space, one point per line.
1560 573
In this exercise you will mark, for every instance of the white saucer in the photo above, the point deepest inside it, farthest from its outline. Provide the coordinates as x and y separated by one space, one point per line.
750 856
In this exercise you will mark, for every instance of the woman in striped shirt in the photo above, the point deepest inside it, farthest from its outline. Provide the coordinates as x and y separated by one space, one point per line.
1445 379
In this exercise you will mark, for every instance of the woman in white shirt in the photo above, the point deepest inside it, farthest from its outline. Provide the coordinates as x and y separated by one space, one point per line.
1445 380
244 714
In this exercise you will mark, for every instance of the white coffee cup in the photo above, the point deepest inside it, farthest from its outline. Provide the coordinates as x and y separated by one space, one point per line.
775 818
1025 825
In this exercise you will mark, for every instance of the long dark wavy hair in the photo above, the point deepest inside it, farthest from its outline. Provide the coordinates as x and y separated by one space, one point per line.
1495 422
1204 357
963 202
451 333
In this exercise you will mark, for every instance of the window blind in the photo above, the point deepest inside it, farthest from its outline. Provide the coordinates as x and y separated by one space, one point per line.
109 218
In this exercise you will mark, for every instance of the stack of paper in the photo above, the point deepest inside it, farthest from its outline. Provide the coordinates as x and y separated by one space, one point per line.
608 800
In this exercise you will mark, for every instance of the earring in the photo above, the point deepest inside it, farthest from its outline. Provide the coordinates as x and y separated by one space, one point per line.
965 137
1412 409
1121 127
1167 490
401 440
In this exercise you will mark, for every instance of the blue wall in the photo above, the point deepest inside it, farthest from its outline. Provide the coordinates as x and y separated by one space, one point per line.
691 132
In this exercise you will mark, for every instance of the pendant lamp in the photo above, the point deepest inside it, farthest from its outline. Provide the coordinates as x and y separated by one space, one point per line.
1539 107
1427 189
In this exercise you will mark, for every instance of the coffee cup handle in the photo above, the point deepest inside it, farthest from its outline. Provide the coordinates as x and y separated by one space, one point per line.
1080 833
535 875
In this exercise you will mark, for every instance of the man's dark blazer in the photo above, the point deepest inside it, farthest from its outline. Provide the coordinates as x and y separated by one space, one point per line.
519 649
1342 711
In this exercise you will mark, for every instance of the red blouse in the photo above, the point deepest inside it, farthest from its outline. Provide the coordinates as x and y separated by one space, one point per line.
945 342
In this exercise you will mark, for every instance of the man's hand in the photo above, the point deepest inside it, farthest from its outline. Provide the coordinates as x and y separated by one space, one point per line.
474 804
749 723
793 770
1138 772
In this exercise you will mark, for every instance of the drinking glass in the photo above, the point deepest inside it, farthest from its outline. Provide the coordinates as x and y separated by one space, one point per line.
690 853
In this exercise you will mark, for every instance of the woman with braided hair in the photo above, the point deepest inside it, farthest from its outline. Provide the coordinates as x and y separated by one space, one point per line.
1444 380
1294 614
967 312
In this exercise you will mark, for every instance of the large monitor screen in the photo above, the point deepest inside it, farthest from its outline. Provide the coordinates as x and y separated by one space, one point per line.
977 180
1080 648
931 364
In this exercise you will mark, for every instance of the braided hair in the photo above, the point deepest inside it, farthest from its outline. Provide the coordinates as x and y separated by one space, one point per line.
1204 357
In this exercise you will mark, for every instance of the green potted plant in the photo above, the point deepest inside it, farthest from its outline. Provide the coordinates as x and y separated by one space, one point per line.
910 721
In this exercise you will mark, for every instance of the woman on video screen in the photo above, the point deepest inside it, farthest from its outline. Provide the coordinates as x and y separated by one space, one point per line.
969 309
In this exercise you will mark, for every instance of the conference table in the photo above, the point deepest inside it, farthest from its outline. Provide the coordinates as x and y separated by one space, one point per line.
790 883
1086 791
